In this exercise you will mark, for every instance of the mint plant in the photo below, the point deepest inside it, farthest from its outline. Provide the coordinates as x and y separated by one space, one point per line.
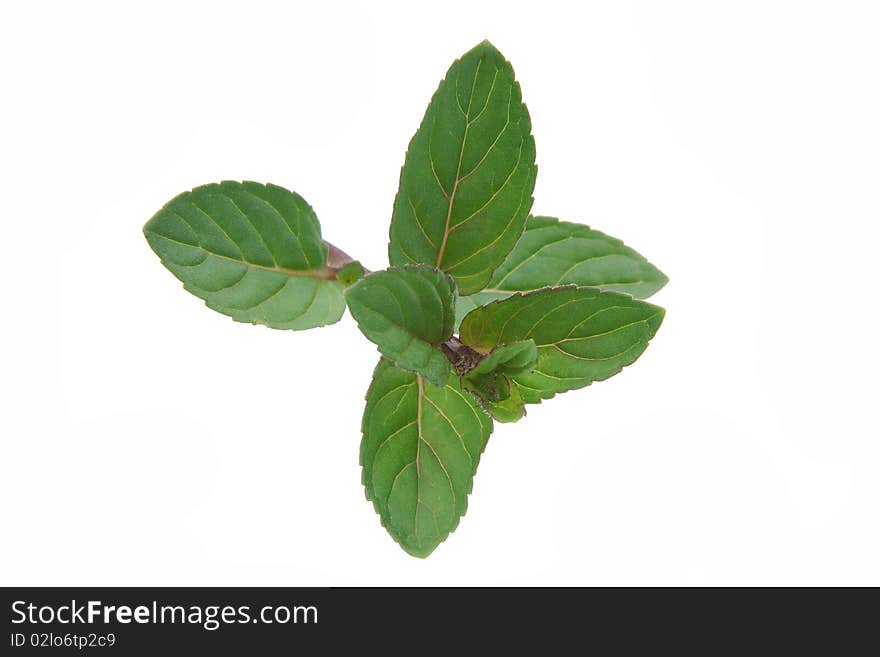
483 311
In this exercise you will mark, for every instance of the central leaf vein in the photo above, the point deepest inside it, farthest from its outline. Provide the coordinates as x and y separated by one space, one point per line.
442 250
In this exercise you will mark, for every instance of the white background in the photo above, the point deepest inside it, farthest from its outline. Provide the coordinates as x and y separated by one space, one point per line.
148 440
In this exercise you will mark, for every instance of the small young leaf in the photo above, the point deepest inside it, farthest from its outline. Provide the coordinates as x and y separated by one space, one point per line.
408 312
582 334
466 185
509 408
350 273
552 252
420 449
250 251
490 379
511 358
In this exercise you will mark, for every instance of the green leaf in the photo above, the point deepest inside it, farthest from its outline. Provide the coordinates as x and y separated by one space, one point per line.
350 273
511 358
250 251
489 380
408 312
420 449
552 252
509 407
466 185
582 334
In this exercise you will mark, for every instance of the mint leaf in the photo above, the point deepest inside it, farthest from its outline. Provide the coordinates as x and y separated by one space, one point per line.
582 335
511 358
466 185
552 252
251 251
407 312
498 395
420 449
350 272
490 379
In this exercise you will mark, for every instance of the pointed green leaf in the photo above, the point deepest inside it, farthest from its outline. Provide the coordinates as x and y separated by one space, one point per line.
511 358
420 449
489 381
350 273
509 407
250 251
466 185
582 334
552 252
407 312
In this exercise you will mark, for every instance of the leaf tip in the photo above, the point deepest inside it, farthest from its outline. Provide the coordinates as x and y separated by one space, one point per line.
484 47
656 319
662 280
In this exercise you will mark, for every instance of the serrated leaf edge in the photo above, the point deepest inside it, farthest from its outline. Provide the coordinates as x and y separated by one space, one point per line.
661 312
476 462
413 266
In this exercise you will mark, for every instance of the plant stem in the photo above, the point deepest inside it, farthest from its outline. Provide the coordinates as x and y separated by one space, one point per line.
336 257
462 357
336 260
